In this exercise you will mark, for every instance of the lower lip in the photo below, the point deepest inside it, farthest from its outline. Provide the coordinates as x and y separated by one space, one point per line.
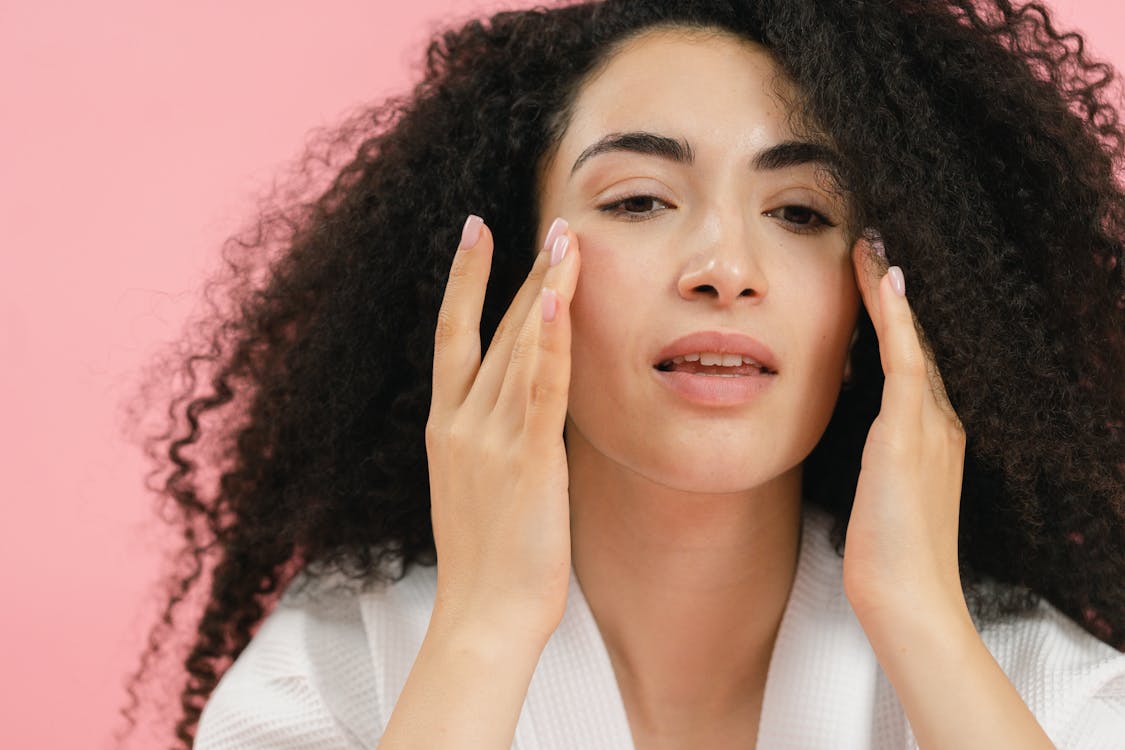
715 390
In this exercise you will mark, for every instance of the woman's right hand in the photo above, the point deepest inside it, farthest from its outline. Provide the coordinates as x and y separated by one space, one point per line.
499 485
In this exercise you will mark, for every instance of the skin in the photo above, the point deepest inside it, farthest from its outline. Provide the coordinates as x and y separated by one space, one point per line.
685 520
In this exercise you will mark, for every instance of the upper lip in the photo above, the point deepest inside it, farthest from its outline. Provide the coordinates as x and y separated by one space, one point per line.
723 342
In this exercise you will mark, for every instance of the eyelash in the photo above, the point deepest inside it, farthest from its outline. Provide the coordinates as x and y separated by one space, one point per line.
613 210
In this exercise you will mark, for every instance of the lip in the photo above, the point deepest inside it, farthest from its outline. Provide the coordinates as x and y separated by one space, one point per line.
714 390
723 342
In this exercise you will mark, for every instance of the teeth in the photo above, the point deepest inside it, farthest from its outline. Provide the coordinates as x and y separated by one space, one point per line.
714 358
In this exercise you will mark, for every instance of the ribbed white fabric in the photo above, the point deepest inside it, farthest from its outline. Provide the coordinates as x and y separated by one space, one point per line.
327 665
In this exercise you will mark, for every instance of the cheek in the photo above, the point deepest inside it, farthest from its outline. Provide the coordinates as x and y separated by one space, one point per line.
608 323
603 281
824 307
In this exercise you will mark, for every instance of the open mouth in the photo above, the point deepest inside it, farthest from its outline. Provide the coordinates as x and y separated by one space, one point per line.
714 385
695 368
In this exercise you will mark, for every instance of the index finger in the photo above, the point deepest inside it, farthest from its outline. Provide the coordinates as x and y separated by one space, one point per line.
457 336
904 350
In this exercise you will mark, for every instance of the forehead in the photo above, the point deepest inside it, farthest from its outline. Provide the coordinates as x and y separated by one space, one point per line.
711 87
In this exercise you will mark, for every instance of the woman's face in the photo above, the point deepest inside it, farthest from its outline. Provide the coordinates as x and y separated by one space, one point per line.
711 244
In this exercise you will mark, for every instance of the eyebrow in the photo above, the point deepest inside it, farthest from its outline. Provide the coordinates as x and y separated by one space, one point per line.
779 156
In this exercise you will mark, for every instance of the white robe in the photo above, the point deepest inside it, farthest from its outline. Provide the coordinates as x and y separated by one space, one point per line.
327 665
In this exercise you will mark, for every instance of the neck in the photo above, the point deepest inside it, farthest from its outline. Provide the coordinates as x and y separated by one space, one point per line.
687 589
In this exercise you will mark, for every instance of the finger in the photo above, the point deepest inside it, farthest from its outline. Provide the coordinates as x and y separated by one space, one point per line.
530 393
869 268
933 373
903 361
490 378
912 374
549 396
457 335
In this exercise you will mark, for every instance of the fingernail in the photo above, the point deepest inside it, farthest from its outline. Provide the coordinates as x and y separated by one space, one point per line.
470 233
558 250
550 303
558 226
876 241
898 281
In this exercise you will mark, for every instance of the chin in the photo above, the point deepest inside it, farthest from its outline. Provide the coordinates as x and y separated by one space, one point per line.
712 472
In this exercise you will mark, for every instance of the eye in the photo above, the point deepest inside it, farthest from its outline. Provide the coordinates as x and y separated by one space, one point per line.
799 226
804 214
615 208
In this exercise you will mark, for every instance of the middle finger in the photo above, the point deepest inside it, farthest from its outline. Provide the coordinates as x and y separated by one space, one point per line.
496 359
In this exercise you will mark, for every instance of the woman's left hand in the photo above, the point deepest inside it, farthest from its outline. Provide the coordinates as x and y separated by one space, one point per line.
900 556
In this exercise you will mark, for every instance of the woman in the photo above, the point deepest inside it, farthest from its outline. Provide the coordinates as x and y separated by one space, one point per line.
891 211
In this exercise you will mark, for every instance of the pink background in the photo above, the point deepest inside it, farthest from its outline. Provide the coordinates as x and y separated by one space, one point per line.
136 140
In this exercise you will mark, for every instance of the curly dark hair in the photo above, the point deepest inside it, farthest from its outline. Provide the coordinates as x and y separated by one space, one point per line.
970 137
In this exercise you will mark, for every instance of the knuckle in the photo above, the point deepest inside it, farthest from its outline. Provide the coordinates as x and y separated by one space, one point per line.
493 451
916 369
890 437
543 393
436 434
521 349
459 272
955 431
446 328
480 449
458 433
897 448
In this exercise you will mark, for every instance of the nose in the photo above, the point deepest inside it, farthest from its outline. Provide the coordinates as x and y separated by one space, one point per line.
725 266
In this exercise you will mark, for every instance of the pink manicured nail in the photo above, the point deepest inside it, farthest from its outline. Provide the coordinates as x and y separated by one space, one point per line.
558 226
558 251
550 304
470 233
898 281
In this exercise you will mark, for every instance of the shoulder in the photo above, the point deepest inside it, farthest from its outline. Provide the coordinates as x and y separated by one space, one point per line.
1073 682
306 677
